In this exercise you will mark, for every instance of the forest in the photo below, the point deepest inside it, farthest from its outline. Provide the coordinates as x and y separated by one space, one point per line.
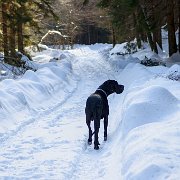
25 22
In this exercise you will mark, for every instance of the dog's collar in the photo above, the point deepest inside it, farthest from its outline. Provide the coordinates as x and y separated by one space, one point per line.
102 91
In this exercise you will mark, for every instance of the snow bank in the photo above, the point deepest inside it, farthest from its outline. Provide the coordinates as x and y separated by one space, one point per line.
31 91
150 104
175 58
120 62
119 48
174 72
51 55
152 151
134 74
144 100
150 124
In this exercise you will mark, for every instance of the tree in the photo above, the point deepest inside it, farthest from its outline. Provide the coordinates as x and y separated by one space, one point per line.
171 27
15 15
5 29
179 24
122 16
146 20
90 23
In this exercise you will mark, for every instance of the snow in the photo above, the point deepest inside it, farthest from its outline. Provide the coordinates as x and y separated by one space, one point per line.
43 134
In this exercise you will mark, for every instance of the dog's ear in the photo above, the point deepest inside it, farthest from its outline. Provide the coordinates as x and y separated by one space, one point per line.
108 82
116 82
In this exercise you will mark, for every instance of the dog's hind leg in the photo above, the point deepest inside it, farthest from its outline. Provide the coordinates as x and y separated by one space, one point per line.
88 122
96 128
97 117
105 127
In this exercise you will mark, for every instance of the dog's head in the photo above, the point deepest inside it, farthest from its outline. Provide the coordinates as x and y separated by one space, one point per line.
113 86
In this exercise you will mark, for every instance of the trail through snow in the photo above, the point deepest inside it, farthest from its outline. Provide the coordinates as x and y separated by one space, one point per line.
53 144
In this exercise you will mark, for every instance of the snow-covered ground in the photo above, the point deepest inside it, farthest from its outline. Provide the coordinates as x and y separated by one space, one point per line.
43 134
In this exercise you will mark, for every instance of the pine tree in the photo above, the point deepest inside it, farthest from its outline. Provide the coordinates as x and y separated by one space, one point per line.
179 24
16 14
171 27
5 29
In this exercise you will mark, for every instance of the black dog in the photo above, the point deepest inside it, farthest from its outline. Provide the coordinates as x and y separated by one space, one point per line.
97 108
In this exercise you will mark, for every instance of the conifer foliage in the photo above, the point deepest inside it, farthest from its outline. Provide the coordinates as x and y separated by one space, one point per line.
81 20
144 19
16 15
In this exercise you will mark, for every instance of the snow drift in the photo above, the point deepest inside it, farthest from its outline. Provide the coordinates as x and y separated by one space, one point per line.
151 104
150 124
31 92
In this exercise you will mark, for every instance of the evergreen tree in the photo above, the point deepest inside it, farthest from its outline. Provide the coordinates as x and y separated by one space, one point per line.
16 14
5 29
148 17
179 24
171 27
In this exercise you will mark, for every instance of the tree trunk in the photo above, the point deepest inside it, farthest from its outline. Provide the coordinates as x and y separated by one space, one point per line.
159 37
179 25
143 17
20 28
138 41
137 30
12 42
20 37
143 36
155 39
171 28
5 31
89 35
113 37
157 21
150 40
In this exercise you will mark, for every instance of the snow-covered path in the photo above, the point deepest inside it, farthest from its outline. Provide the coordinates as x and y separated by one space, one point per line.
53 144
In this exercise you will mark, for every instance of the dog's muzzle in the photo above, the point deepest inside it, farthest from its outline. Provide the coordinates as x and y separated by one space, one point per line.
119 89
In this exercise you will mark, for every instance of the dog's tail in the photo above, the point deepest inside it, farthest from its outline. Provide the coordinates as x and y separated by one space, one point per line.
92 133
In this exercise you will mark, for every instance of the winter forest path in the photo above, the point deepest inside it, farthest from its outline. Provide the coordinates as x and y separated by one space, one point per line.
54 146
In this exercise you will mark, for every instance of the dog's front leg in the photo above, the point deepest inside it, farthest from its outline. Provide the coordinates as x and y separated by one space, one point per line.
105 127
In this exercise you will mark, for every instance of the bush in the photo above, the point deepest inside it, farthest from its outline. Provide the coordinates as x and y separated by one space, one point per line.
152 62
19 65
174 73
130 47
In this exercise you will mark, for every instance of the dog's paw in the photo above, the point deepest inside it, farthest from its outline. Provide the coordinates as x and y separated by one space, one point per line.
89 142
105 138
96 147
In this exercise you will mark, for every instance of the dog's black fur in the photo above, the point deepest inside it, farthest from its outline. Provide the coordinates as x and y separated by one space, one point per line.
97 108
